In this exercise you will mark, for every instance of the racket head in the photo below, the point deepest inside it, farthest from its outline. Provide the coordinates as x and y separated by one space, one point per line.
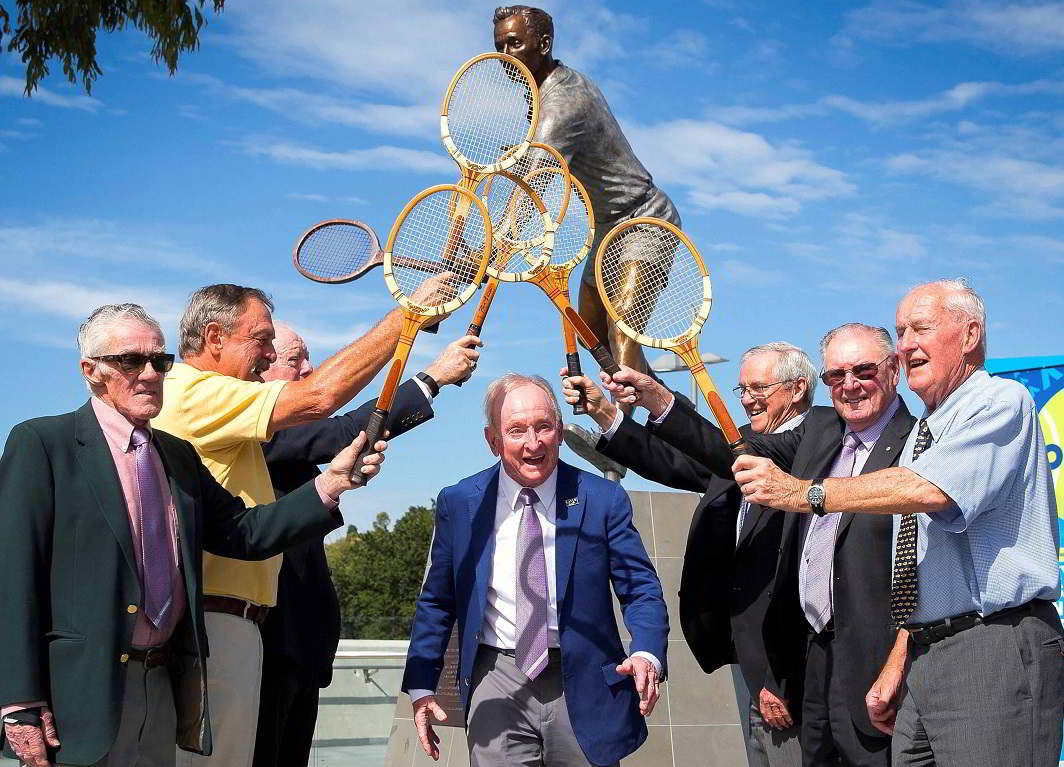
335 251
489 113
662 318
522 228
574 233
554 191
446 226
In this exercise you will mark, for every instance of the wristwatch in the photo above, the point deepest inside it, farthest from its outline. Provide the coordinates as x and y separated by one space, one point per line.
815 496
31 716
429 381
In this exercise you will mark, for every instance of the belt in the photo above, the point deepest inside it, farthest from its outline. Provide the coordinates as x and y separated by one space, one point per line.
927 634
163 655
241 608
513 653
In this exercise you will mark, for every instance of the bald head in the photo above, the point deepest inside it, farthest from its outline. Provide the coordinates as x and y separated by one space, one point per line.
293 357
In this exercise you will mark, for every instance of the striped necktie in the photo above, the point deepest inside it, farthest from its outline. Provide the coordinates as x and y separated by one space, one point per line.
531 652
155 551
905 590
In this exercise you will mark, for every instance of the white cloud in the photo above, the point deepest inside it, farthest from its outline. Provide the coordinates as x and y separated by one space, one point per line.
12 86
388 158
314 197
683 48
75 300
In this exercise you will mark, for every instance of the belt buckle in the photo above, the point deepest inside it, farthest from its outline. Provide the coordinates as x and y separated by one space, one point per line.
151 655
247 606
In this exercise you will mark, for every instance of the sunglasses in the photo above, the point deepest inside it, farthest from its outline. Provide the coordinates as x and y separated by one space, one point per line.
133 362
866 371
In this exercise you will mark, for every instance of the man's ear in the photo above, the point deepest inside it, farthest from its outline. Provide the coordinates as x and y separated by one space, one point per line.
489 437
91 370
213 336
546 44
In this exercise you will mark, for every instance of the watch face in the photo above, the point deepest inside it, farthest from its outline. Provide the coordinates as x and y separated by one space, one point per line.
815 496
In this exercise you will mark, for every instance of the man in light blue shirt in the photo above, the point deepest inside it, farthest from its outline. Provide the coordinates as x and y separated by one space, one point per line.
975 560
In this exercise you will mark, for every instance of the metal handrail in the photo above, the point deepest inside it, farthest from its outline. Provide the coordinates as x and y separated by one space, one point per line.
368 655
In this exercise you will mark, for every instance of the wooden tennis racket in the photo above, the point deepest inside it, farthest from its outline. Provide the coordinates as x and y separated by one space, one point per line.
424 231
668 313
342 250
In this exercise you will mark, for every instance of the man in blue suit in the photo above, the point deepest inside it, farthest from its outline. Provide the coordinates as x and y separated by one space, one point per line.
542 673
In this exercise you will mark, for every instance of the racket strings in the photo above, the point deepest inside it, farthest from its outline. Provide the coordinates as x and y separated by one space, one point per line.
572 240
438 239
653 281
489 111
335 250
546 174
517 221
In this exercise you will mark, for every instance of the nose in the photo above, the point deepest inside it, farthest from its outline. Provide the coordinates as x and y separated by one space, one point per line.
906 341
270 353
305 369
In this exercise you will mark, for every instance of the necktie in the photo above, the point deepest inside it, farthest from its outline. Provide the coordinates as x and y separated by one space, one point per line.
155 551
904 591
531 650
820 546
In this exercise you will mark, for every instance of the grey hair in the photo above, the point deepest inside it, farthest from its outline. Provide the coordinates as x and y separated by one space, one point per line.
500 387
95 332
222 303
963 303
792 363
538 20
882 336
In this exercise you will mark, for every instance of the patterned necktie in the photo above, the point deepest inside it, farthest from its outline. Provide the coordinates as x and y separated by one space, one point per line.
820 546
155 551
905 591
531 650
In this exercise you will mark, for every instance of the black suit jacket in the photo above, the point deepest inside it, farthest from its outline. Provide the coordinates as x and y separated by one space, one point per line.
305 593
70 574
726 586
864 631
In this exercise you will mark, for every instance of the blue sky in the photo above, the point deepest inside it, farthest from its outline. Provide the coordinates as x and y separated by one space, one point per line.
823 156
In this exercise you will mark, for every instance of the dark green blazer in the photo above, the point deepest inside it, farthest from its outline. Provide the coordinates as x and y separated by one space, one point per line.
69 574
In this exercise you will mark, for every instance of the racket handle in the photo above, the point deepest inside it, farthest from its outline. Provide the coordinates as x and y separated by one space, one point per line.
605 359
572 362
739 447
473 329
374 430
434 329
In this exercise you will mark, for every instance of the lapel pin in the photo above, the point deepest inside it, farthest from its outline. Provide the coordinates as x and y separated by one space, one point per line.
571 501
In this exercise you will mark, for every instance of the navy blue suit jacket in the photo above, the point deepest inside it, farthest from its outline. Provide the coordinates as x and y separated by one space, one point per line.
594 526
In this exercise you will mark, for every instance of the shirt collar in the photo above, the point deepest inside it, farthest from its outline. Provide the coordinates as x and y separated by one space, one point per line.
117 429
509 489
945 412
871 434
791 423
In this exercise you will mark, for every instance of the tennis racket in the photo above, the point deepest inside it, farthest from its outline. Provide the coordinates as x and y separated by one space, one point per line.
424 231
341 250
667 310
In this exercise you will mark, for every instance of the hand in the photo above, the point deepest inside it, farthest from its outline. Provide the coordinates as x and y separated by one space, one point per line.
437 289
598 407
456 362
630 387
428 737
774 710
337 475
765 483
882 699
646 681
30 743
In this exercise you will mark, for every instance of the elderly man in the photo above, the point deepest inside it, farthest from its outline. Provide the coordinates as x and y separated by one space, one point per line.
842 562
975 555
297 662
105 521
523 557
217 400
731 572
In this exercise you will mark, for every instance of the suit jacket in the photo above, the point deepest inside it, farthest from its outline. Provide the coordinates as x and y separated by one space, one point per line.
727 586
594 527
305 592
864 630
70 574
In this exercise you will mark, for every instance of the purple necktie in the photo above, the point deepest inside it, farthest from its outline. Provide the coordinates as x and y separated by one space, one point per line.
531 651
155 550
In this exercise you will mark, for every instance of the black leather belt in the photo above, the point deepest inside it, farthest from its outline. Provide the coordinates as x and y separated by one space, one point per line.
926 634
152 656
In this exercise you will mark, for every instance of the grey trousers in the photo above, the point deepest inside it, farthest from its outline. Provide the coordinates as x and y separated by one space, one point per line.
768 747
515 721
991 695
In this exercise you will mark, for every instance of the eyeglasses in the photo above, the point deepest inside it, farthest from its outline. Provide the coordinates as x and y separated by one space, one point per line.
759 391
133 362
866 371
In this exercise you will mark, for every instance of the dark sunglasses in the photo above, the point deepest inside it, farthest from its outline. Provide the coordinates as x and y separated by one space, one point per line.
133 362
866 371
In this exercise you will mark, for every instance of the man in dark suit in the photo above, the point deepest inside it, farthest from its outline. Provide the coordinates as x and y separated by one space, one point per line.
731 567
105 523
296 663
542 673
843 564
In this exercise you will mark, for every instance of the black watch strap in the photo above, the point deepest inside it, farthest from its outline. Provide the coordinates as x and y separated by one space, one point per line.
429 381
31 716
815 497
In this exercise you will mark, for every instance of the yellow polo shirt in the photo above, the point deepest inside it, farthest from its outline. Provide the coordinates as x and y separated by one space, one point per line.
227 420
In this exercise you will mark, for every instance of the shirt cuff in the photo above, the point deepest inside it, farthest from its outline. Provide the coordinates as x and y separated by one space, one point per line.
664 413
617 419
650 657
424 388
416 695
327 500
5 710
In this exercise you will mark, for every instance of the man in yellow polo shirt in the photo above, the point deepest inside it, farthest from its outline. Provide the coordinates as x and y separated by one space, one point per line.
217 400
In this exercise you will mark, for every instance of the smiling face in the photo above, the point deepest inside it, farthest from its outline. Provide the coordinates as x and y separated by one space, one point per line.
861 402
528 435
783 402
137 395
247 351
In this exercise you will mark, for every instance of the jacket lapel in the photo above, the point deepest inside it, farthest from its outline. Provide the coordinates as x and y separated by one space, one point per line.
482 535
753 514
569 515
184 507
94 456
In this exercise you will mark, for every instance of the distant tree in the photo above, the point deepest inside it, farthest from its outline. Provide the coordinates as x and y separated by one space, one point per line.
66 30
378 573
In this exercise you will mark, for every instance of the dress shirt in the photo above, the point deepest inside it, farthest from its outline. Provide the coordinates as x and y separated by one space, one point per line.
996 546
744 507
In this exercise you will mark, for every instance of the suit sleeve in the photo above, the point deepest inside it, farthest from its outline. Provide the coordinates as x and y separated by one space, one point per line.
26 518
650 456
434 615
635 583
319 441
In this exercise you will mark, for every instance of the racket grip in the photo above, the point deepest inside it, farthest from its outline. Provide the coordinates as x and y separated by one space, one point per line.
374 430
605 359
434 329
473 329
739 447
572 362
